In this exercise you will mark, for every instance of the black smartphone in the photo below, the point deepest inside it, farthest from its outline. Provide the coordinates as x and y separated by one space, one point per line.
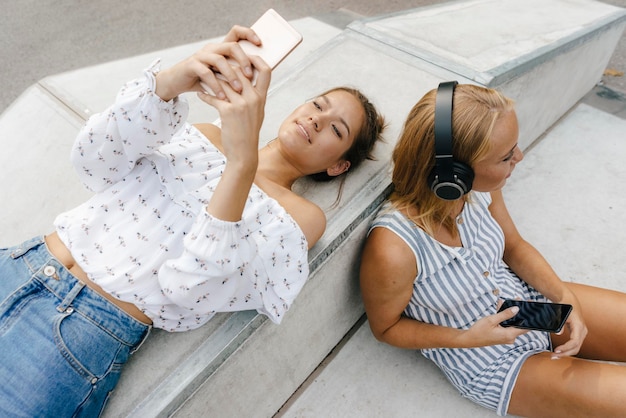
542 316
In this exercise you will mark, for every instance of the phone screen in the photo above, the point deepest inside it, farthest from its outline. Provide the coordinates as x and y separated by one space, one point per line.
542 316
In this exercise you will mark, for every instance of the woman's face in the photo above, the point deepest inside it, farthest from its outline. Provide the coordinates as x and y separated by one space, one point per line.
318 133
491 172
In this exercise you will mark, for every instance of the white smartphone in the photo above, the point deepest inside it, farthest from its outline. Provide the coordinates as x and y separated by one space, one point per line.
278 39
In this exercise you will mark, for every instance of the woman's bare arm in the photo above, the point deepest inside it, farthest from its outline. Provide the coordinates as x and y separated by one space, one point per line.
528 263
388 269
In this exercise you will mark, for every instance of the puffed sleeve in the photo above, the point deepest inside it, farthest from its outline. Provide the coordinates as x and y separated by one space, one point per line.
259 263
110 144
206 275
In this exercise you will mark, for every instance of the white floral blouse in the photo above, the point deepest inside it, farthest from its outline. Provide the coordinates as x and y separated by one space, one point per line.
145 236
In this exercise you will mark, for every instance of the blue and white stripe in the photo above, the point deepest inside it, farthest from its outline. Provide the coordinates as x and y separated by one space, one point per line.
455 287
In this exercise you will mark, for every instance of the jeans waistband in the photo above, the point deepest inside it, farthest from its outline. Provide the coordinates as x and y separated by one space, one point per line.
73 294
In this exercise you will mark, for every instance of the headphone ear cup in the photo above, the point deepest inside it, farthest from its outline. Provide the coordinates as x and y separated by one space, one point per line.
464 175
461 183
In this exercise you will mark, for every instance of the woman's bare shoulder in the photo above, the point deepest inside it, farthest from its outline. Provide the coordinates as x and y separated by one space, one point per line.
308 215
389 258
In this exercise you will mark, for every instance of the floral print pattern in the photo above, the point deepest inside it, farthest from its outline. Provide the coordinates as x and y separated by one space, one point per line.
145 236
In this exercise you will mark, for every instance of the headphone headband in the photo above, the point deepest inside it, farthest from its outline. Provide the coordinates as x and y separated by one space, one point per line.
443 130
450 179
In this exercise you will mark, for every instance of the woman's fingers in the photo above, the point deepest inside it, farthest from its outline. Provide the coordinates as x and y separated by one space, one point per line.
212 83
201 71
219 61
238 57
263 74
578 332
208 81
238 33
228 94
222 60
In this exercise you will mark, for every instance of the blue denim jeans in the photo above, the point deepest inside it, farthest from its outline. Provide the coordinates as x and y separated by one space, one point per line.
62 345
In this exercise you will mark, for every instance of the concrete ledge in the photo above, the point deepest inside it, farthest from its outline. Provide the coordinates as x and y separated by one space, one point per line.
198 367
544 54
36 136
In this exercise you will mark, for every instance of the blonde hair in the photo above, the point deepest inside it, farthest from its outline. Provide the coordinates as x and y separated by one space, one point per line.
475 112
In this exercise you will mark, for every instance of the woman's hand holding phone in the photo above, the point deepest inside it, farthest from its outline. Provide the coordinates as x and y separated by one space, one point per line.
549 317
487 331
577 331
271 38
199 71
277 39
241 115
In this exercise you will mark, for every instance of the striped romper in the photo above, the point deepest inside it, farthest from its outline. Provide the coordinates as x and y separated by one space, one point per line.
455 287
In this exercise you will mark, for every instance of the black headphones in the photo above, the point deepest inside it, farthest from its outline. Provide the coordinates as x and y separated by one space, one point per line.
450 179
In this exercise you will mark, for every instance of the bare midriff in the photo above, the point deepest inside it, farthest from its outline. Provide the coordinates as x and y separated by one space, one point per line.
58 249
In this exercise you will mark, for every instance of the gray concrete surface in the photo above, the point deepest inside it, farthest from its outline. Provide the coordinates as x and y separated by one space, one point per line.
357 396
39 38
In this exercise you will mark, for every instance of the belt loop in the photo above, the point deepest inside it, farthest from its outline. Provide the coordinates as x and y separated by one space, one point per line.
26 246
69 298
143 339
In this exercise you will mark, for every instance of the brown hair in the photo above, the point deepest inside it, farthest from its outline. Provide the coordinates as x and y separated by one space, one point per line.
365 139
475 111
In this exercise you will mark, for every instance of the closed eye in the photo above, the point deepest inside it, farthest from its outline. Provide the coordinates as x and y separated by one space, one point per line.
337 131
510 154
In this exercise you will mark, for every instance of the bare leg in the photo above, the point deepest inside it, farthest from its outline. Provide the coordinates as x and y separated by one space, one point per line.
569 387
604 312
576 387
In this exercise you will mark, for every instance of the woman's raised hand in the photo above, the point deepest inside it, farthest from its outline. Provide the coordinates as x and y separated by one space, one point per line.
201 68
240 103
242 113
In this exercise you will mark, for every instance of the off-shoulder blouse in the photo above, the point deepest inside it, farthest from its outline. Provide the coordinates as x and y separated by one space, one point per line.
145 236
